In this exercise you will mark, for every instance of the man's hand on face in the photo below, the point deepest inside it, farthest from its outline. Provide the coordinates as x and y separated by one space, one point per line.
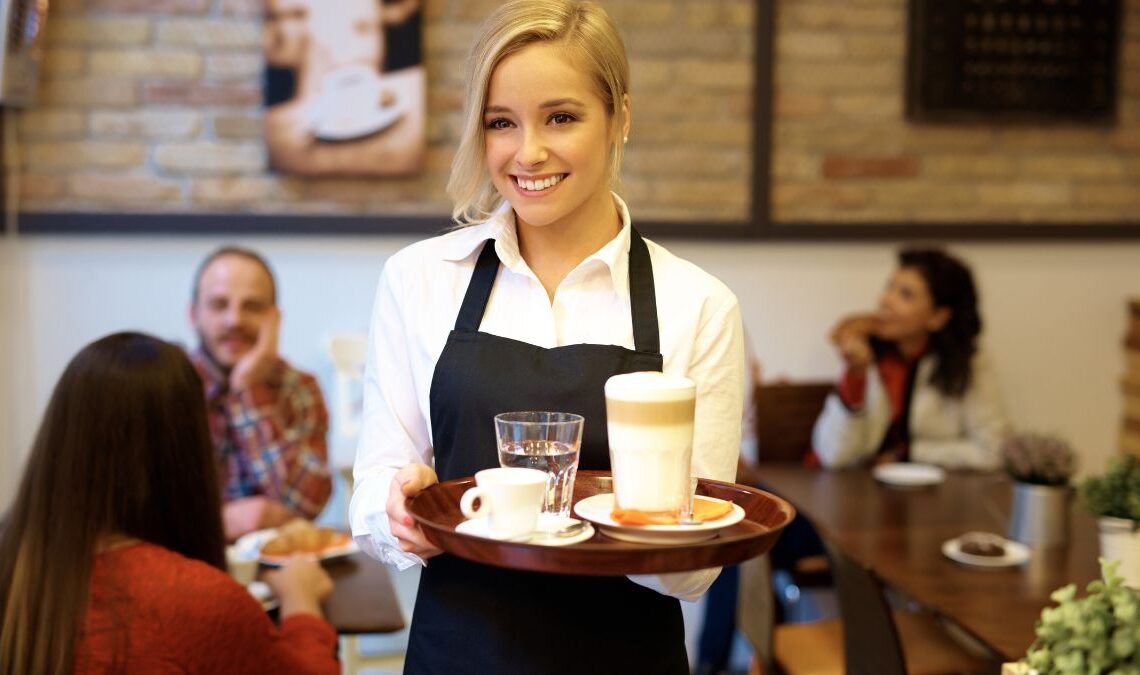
254 367
248 514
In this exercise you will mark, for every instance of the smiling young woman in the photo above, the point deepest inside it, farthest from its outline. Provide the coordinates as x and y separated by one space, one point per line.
544 291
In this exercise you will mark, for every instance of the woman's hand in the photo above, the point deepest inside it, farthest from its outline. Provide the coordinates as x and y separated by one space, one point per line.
300 584
856 351
409 482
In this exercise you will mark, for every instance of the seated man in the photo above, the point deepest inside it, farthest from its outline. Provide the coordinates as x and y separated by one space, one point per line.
267 419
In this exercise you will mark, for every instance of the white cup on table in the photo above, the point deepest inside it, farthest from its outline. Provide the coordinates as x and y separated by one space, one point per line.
241 564
510 499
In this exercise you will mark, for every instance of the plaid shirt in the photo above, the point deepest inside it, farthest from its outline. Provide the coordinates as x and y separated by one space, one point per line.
270 437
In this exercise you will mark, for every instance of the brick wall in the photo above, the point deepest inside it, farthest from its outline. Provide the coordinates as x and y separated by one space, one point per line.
843 152
153 105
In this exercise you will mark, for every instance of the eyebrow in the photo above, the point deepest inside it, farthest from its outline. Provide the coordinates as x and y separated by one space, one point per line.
553 103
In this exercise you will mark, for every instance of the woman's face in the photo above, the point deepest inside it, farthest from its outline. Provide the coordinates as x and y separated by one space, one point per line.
547 135
906 308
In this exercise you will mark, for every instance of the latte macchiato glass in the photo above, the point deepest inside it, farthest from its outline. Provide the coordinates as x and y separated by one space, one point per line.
649 420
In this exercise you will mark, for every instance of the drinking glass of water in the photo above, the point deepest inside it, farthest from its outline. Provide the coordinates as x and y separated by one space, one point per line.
547 441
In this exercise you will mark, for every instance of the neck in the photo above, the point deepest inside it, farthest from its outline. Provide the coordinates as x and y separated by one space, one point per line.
221 370
553 250
113 542
910 348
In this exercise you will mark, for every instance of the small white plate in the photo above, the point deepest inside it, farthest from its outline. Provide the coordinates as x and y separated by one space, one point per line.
477 527
251 543
263 594
908 474
1016 553
599 509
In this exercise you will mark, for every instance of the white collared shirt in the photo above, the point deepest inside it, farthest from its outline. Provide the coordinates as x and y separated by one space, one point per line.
418 297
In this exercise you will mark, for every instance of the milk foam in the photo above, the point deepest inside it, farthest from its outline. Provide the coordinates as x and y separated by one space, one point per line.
649 386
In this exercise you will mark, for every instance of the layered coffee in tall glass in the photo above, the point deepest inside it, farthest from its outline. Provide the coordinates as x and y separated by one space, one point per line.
649 419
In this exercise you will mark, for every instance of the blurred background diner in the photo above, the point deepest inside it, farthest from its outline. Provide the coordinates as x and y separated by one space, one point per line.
779 145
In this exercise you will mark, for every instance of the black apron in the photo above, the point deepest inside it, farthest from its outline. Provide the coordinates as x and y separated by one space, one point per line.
474 618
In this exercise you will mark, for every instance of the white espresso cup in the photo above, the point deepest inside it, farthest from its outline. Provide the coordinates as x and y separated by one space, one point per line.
510 498
649 420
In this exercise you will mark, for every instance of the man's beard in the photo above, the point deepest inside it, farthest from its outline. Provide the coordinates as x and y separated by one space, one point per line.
204 347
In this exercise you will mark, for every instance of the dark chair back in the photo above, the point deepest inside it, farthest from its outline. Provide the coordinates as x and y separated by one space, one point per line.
871 644
785 415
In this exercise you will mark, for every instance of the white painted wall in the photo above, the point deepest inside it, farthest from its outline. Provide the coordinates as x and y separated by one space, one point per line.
1055 313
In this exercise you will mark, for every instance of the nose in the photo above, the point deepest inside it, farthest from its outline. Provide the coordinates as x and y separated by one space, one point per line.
233 315
885 299
532 151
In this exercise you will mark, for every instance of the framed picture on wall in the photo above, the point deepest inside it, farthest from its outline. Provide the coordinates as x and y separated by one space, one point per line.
344 87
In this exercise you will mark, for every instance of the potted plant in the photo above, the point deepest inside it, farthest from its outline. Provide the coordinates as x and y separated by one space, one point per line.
1041 466
1114 498
1099 633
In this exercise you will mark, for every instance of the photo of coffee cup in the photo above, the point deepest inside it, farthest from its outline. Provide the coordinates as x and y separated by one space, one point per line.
649 421
510 499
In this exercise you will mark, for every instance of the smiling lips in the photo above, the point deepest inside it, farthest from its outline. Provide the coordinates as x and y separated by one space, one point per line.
533 185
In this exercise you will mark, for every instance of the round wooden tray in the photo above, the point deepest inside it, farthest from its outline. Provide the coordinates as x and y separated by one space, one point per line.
765 515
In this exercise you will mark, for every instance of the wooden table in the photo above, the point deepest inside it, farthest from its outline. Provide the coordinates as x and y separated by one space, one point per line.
898 533
363 599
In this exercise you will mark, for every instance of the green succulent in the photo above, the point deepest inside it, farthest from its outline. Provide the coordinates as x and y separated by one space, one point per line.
1116 493
1094 635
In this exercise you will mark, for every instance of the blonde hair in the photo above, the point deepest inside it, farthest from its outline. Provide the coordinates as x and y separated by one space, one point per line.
591 41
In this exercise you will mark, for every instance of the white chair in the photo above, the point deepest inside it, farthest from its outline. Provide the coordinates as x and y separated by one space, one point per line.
347 353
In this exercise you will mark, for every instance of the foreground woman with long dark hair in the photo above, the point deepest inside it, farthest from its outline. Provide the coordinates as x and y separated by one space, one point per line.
112 555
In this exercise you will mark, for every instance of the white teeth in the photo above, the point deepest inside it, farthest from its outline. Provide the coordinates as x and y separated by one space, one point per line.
535 185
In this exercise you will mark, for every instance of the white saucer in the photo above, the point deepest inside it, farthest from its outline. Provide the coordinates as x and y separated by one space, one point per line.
263 594
547 523
598 510
365 124
908 474
1016 553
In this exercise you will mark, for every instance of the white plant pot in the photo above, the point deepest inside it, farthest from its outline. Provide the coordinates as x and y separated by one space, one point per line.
1120 540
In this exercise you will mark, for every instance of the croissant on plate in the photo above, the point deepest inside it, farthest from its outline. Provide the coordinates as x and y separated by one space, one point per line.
301 536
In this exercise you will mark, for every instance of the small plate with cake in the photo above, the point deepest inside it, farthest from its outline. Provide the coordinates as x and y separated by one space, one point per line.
985 549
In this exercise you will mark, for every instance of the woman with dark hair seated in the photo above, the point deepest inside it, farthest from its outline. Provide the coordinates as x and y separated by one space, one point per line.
112 555
916 386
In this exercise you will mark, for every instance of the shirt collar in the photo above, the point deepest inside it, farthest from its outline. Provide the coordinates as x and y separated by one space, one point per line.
501 228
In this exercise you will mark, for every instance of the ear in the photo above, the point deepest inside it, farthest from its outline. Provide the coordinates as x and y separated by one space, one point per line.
625 116
192 315
939 319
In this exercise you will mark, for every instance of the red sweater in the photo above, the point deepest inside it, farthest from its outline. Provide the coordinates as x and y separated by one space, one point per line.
171 614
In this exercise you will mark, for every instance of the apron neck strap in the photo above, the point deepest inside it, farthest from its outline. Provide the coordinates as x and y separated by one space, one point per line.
479 290
642 297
